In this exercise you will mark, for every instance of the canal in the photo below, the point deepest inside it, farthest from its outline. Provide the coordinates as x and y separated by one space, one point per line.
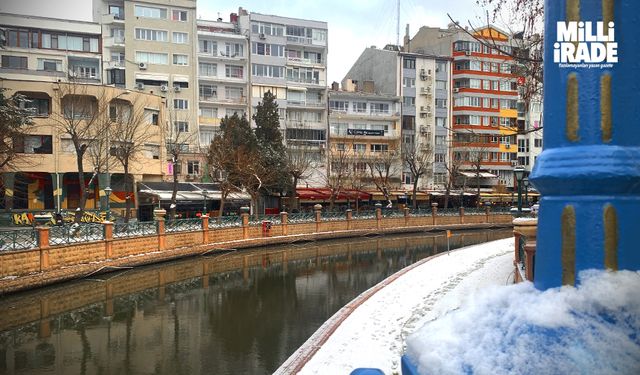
241 312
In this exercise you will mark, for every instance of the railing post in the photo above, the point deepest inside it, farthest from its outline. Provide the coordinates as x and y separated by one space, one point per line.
108 239
245 221
461 215
434 212
284 220
349 218
205 228
378 215
318 210
407 212
43 244
487 213
159 216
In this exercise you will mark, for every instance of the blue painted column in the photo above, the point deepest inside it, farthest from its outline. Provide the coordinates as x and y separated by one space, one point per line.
589 171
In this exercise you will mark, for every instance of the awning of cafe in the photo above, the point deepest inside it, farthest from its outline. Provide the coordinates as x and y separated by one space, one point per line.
187 192
482 174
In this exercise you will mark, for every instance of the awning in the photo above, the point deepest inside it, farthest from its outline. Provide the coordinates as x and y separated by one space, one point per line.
152 77
186 191
482 174
179 78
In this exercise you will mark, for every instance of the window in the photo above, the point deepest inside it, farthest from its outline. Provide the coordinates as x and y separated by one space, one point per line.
207 46
537 142
152 116
152 151
233 111
179 15
379 147
208 92
18 38
486 102
379 108
117 11
409 82
439 158
441 66
152 58
359 147
442 85
79 106
441 121
360 107
180 104
409 63
150 12
441 103
85 71
38 106
14 62
233 71
267 29
273 71
267 49
33 144
206 69
236 50
180 59
116 77
193 167
181 126
208 112
474 65
440 140
339 105
359 167
409 101
233 93
152 35
181 38
50 65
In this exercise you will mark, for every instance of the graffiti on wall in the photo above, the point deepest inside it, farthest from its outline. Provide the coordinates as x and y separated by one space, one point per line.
27 218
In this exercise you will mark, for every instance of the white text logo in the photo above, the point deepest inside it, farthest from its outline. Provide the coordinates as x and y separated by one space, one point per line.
585 43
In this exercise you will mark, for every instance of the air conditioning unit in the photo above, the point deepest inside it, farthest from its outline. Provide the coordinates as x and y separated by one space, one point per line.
456 90
164 88
177 88
261 36
467 53
142 66
140 86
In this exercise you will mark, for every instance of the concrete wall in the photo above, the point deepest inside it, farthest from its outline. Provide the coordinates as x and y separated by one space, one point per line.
378 65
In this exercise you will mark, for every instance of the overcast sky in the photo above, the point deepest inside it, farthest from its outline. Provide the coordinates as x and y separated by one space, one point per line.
353 24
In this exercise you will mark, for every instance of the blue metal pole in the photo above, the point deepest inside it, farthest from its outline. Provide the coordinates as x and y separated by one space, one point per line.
589 171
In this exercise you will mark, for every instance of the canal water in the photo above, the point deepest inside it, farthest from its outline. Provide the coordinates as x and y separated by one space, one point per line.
241 312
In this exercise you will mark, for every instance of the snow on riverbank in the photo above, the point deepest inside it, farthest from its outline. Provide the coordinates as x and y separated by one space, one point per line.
591 329
374 334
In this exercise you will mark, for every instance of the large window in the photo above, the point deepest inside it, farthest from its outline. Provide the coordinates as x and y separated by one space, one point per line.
360 107
14 62
33 144
179 15
233 71
260 70
152 58
150 12
234 93
267 29
208 112
181 126
193 167
208 92
209 70
267 49
180 59
18 38
379 108
339 105
379 147
152 35
207 46
50 65
180 104
37 105
181 38
233 50
409 63
409 82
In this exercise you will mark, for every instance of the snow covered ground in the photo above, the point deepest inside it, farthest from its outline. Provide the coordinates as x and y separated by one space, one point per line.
373 335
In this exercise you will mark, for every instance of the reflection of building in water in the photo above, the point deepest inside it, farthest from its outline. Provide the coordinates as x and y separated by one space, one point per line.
215 314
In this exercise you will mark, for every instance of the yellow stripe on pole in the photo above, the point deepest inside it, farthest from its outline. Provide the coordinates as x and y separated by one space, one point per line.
448 234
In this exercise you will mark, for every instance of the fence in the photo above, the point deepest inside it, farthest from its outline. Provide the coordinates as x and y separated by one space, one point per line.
19 239
75 233
133 229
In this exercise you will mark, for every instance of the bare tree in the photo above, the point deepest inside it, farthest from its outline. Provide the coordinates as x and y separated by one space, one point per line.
82 119
339 172
384 169
299 165
420 163
453 168
359 178
221 159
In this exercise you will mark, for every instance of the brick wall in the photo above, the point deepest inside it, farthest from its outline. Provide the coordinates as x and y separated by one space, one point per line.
137 245
75 254
19 262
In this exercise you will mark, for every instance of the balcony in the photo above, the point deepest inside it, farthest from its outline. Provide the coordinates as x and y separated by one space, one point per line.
221 55
108 19
369 133
304 62
208 120
114 64
309 81
299 40
114 41
216 99
304 124
307 104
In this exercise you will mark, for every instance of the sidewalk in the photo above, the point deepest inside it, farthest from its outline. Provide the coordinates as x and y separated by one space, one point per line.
371 330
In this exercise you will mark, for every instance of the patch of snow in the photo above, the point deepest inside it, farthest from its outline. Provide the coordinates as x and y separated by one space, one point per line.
592 329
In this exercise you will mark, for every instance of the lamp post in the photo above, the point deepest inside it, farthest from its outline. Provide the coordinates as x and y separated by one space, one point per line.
525 183
204 195
518 172
107 192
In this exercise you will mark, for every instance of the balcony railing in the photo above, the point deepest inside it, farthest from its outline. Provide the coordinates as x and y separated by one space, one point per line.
307 103
301 60
299 39
305 80
207 98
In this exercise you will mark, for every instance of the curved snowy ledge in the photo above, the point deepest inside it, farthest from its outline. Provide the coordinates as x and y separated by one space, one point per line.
517 329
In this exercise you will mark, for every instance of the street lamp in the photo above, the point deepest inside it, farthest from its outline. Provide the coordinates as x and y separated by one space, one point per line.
525 183
204 195
518 172
107 192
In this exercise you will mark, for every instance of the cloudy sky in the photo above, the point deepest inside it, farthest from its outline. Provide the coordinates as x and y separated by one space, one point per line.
353 24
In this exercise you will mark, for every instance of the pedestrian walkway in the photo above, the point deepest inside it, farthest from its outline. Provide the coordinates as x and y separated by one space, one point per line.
371 330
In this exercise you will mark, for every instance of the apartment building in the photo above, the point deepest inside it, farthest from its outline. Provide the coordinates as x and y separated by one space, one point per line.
364 133
45 172
289 58
484 100
222 74
150 46
529 132
50 50
422 81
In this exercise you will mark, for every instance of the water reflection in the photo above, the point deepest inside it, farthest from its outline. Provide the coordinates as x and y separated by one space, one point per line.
237 313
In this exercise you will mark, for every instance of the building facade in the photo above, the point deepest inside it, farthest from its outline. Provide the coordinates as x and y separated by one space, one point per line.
484 95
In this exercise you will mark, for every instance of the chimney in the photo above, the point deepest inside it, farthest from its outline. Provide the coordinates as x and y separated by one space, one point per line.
407 40
335 86
368 87
233 17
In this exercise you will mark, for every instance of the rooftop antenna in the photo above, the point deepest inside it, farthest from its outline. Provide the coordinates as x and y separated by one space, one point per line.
398 25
